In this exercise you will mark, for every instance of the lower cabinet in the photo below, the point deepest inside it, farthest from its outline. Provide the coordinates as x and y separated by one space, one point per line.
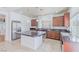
2 38
53 35
68 47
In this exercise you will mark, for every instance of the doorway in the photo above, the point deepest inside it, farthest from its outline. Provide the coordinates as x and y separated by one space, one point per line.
2 28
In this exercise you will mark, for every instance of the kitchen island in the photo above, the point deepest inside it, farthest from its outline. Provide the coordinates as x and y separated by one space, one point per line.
32 39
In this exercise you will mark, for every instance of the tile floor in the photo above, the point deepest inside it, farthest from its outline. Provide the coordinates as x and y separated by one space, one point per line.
14 46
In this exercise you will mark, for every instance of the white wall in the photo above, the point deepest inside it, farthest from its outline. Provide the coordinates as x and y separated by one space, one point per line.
73 11
2 27
74 21
74 25
25 21
7 34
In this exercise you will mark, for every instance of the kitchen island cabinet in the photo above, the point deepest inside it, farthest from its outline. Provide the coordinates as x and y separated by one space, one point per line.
32 40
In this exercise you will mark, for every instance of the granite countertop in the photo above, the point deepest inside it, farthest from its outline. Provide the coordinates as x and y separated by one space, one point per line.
70 38
71 44
57 30
33 33
60 30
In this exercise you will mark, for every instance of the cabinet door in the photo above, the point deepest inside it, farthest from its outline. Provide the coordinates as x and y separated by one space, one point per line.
53 35
58 21
33 22
67 19
57 35
49 34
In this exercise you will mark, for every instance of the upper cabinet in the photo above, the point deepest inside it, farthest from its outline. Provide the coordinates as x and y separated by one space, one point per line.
33 22
63 21
58 21
67 19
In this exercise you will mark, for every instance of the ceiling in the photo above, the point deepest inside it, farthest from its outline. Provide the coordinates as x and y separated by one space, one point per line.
35 11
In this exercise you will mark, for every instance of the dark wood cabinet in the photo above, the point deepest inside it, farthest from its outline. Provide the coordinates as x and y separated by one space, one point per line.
62 20
53 35
49 34
33 22
66 19
58 21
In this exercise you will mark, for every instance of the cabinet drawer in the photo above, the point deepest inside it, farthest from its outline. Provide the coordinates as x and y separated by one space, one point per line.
57 35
